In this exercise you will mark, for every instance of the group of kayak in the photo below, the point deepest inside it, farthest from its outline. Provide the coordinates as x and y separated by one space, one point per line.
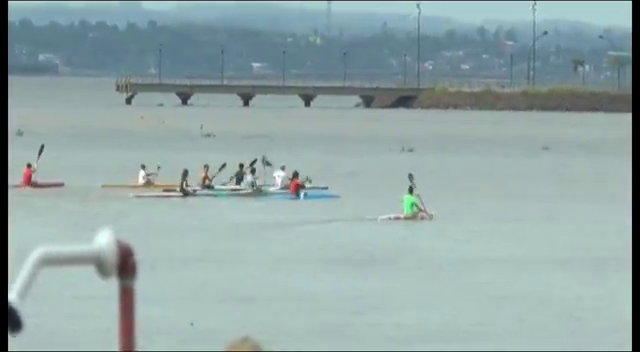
244 177
413 206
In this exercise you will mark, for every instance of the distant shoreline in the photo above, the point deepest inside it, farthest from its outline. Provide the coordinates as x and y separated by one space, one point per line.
553 99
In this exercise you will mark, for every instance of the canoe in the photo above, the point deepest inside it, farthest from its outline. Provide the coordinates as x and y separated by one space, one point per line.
40 184
421 217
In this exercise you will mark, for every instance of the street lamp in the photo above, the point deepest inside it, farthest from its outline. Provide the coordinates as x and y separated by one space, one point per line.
418 45
159 63
531 72
284 65
613 45
222 64
534 10
618 66
404 68
344 68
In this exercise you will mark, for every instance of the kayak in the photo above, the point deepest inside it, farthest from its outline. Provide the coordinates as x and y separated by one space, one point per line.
421 217
207 193
172 195
307 187
306 195
216 187
128 186
265 187
40 184
240 193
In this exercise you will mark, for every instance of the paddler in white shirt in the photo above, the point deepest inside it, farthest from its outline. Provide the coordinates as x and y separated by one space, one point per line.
250 181
145 178
280 178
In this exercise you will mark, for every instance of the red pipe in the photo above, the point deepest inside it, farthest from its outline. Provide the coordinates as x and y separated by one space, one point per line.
127 272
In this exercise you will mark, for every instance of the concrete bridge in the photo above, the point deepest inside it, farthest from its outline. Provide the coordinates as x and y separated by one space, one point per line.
246 92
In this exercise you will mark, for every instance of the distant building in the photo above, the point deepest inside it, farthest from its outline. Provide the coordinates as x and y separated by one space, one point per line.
259 68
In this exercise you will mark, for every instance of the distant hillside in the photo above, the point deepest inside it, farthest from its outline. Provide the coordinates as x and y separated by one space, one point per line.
274 17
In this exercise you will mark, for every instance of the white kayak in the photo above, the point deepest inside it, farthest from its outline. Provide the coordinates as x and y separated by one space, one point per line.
210 193
172 195
421 217
267 187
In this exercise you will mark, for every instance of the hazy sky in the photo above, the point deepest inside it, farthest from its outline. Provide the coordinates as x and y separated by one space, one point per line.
616 13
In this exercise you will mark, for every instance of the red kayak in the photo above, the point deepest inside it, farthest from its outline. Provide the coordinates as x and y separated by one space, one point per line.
40 184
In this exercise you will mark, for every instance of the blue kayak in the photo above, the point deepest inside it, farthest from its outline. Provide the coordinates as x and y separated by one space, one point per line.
306 196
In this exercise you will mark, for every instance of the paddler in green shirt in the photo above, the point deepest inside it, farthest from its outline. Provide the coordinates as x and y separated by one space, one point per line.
411 205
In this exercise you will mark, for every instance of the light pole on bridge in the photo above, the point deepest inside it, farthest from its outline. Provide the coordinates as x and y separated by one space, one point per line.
222 64
344 68
160 63
284 66
418 61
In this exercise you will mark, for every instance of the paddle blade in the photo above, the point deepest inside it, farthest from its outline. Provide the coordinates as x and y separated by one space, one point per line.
40 151
222 167
266 162
253 162
158 167
411 178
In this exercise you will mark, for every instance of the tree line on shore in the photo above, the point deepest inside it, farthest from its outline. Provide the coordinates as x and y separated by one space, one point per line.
204 50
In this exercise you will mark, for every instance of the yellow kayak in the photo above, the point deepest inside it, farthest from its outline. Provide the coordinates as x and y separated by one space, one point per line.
130 186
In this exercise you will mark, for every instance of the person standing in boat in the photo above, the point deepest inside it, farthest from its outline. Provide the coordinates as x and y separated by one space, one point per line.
27 175
206 181
145 178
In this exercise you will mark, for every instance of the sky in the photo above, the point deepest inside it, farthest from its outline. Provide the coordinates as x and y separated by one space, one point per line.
605 13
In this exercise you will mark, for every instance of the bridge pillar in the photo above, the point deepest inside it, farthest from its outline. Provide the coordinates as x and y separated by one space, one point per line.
129 99
367 100
184 98
246 99
307 99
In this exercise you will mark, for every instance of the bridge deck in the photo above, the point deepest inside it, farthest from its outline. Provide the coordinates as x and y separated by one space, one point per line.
125 86
246 92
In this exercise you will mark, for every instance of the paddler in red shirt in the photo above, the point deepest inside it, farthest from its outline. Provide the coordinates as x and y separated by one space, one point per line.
296 185
27 175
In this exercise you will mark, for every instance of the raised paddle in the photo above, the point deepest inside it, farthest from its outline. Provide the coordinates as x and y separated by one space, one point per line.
415 187
265 162
222 167
40 151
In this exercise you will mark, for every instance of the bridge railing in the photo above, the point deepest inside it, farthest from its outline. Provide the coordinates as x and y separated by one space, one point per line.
110 257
